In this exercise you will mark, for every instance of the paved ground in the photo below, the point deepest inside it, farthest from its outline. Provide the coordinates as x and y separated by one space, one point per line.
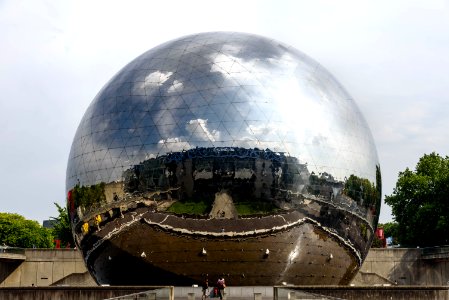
298 295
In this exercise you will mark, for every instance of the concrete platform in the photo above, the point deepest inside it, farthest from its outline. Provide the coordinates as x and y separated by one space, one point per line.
12 257
233 293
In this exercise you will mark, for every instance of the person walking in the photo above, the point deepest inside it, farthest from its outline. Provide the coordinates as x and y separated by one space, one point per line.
205 287
221 285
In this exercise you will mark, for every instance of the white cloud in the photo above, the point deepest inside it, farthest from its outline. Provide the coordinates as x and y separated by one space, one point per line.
197 131
200 132
176 87
156 78
174 144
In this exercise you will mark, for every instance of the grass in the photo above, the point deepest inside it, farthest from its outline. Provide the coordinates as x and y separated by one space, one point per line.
203 208
254 208
191 208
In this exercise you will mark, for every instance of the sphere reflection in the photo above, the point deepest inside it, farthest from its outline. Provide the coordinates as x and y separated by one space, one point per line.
224 137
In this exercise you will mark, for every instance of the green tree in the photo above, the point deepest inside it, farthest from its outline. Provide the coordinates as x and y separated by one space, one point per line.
61 226
420 202
16 231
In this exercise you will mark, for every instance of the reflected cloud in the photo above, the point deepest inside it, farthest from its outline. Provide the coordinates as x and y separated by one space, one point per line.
228 92
156 78
174 144
199 131
176 87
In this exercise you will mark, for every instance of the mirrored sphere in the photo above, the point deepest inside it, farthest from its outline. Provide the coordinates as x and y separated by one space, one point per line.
223 154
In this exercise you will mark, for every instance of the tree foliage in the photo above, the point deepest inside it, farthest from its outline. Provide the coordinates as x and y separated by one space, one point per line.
16 231
390 229
61 226
89 196
420 202
361 190
377 243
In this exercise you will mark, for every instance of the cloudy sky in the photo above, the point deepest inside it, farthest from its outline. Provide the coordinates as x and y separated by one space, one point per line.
392 57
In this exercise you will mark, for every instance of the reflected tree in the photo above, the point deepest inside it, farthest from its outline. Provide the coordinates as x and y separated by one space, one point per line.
89 196
361 190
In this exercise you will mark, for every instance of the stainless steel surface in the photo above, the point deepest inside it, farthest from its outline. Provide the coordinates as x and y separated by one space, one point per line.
234 113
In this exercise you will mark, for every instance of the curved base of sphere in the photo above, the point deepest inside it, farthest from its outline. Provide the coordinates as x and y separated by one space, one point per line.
150 248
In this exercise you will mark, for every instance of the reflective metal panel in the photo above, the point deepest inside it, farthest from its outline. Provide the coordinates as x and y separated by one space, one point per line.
233 125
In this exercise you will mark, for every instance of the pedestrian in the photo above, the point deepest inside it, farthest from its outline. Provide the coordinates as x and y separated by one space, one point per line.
205 287
221 285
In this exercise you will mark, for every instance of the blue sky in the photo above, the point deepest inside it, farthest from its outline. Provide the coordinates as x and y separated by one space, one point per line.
392 57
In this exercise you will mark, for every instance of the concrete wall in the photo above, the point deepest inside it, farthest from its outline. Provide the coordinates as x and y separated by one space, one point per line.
6 269
405 266
84 293
356 293
280 293
44 267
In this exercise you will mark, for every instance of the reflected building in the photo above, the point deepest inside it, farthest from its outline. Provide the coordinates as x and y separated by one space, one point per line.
223 154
